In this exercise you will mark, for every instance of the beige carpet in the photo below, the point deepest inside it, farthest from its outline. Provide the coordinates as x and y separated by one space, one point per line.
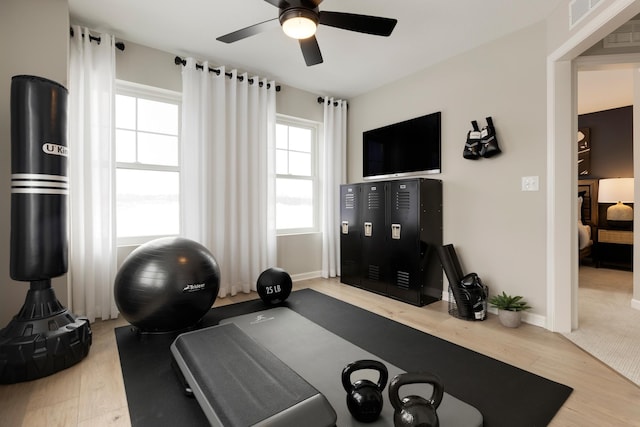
609 328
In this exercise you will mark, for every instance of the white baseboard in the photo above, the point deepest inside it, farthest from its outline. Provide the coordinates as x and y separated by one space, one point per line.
530 318
306 276
535 319
635 304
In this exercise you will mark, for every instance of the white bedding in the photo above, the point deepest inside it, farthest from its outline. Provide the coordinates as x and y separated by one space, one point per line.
584 231
584 235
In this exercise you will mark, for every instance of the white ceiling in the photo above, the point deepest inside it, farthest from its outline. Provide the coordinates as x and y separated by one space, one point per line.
428 32
605 89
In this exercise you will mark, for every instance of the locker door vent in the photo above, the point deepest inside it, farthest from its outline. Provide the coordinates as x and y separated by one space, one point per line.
402 279
374 272
373 201
349 201
403 200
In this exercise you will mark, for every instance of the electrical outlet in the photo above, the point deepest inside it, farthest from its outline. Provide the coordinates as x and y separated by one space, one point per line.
530 183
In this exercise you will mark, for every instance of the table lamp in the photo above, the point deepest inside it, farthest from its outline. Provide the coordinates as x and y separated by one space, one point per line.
618 191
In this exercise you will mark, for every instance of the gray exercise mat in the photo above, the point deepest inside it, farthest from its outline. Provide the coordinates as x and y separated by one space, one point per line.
319 356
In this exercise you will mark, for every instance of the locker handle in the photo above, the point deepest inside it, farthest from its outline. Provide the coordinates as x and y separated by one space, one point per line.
395 231
345 227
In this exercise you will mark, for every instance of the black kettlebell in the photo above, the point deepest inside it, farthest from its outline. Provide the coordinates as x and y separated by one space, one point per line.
415 411
364 397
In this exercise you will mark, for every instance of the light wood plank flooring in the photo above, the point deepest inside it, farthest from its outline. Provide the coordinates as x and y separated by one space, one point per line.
91 393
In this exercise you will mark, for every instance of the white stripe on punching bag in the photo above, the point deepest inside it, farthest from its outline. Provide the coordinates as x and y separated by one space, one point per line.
32 183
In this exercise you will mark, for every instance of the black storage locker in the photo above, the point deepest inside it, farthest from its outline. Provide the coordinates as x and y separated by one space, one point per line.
415 232
350 239
399 226
375 265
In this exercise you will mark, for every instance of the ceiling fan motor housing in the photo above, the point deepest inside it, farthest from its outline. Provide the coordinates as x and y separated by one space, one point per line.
298 12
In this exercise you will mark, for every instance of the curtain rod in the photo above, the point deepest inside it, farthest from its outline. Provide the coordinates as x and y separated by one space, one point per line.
180 61
119 45
321 101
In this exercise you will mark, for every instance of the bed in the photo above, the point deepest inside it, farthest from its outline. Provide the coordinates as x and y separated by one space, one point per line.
587 216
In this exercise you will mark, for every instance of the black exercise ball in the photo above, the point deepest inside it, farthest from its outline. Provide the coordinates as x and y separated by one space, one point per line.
167 284
274 285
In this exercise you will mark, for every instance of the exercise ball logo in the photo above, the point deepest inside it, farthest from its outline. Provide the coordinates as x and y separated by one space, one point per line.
55 149
193 287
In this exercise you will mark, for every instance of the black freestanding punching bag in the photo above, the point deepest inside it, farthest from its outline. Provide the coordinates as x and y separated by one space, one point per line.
44 337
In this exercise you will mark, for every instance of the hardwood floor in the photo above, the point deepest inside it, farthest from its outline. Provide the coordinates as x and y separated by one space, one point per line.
91 393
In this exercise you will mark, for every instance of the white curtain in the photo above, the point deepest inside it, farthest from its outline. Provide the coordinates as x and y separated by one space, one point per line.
92 238
334 173
228 171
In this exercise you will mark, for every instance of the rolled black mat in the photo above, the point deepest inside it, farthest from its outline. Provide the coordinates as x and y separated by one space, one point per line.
453 270
450 263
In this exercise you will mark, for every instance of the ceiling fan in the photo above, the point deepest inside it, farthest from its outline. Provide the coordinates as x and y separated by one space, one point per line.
300 18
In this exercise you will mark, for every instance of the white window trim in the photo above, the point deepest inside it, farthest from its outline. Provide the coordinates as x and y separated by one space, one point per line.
158 94
315 168
124 87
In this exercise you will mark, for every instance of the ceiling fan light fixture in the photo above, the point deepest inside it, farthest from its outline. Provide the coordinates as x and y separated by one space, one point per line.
299 23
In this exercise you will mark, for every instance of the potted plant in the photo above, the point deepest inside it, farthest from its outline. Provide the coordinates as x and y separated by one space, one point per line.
510 309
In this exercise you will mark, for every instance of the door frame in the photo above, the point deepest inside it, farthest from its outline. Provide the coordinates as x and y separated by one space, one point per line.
562 125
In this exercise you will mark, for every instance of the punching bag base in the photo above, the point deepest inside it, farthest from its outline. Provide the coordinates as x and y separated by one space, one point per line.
42 339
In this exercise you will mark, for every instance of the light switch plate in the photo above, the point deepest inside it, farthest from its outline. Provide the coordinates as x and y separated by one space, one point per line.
530 183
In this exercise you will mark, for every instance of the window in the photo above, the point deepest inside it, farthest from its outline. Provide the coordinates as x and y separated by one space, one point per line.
296 176
147 163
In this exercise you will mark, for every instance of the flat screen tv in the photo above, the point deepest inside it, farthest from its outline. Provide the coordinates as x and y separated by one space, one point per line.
411 147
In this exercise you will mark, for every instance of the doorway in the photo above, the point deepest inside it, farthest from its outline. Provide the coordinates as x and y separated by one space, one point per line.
562 250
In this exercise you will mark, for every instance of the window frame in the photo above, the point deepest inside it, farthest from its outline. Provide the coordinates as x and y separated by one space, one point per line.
151 93
315 128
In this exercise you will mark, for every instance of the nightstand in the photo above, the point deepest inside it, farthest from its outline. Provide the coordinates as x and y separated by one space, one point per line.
614 248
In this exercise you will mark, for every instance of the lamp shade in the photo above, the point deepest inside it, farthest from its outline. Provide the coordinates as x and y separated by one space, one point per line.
618 191
614 190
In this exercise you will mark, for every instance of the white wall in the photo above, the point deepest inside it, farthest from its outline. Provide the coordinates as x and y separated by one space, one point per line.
498 230
148 66
34 36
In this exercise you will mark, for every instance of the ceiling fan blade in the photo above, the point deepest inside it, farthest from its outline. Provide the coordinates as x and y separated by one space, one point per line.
282 4
311 51
249 31
375 25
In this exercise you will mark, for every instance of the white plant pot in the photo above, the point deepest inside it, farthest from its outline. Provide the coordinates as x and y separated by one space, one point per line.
510 319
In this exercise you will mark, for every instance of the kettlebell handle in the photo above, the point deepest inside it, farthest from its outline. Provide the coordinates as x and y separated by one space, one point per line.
415 378
364 364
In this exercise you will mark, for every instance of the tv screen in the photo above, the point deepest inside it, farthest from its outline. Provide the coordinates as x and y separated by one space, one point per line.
411 147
